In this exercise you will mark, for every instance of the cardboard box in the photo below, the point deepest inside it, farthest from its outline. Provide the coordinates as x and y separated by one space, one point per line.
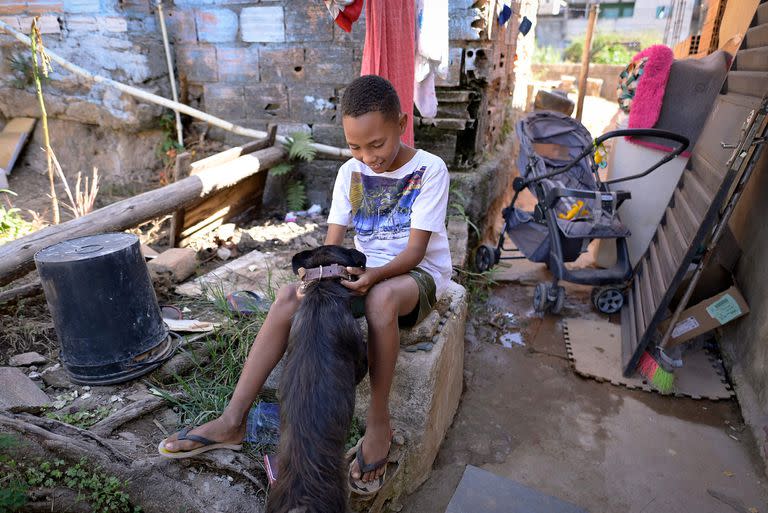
707 315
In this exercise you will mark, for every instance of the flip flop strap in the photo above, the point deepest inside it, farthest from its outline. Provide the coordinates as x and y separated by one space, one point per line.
369 467
184 435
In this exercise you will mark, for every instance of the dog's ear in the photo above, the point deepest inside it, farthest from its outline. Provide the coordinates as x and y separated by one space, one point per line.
358 259
301 259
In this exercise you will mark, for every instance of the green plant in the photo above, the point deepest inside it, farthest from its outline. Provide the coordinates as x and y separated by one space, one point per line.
169 145
547 55
21 68
83 418
12 225
457 210
610 48
300 147
478 287
101 491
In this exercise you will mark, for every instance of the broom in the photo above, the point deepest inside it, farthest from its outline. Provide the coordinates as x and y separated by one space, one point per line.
656 368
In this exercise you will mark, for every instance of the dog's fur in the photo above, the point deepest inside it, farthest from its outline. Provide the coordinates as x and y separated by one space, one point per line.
326 359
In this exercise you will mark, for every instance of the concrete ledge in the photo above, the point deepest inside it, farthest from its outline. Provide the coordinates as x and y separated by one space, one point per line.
424 398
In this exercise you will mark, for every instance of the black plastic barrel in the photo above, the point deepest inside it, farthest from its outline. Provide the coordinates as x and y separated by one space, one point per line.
104 308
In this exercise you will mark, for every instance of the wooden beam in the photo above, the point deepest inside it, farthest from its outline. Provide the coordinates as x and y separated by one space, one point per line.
180 171
29 290
16 258
585 60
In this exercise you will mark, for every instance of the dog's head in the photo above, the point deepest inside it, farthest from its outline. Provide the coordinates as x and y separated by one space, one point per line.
327 255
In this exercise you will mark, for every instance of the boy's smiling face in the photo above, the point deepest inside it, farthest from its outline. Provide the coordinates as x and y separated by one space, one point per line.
374 139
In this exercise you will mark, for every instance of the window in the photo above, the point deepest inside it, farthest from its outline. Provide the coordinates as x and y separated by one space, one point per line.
663 12
617 10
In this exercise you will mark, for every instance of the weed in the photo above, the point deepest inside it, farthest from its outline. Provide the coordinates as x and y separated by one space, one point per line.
83 418
299 148
457 210
21 68
478 287
12 225
101 491
169 146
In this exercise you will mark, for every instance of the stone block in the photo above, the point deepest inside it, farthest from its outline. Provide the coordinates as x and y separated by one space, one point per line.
13 21
47 24
12 7
216 25
263 24
197 63
238 65
307 21
81 24
44 6
222 100
355 36
440 142
82 6
135 6
424 398
331 64
281 64
176 263
266 101
454 69
17 391
332 135
319 177
461 23
27 359
458 235
314 103
181 25
56 377
422 332
113 24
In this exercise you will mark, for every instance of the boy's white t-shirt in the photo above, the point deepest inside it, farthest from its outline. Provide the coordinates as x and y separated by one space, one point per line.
383 207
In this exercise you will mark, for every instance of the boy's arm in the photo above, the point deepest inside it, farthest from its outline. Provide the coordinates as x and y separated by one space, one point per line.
335 235
410 257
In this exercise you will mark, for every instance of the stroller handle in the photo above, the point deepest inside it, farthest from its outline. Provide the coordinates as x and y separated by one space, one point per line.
519 183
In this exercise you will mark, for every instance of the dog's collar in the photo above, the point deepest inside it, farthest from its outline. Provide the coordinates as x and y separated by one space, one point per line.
323 272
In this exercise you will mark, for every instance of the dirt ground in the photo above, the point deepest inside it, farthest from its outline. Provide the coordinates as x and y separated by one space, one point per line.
525 415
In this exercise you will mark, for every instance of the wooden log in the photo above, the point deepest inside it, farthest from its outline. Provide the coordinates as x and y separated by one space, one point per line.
16 258
24 291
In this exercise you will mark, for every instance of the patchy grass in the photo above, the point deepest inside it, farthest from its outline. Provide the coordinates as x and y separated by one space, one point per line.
478 287
82 419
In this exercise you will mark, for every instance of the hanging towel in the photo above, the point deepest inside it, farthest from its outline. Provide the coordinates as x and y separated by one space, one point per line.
345 12
432 53
389 50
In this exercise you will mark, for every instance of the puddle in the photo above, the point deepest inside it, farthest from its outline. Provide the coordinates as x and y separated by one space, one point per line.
509 340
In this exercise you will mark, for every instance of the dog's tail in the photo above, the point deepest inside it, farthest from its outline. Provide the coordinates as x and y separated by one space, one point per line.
317 398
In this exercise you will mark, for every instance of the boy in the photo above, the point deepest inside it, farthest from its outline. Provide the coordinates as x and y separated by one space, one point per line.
396 197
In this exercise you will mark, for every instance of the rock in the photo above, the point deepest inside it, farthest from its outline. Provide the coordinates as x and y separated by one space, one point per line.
27 359
247 243
424 398
176 263
148 253
223 253
422 332
226 231
18 392
56 377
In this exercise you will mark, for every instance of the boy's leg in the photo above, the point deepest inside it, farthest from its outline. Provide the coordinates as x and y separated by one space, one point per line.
266 351
385 302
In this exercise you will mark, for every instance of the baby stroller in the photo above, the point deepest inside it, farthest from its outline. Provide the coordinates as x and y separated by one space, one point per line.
559 164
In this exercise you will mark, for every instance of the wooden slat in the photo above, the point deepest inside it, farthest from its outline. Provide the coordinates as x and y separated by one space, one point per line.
180 171
677 241
684 215
12 140
661 282
646 294
640 321
696 196
667 259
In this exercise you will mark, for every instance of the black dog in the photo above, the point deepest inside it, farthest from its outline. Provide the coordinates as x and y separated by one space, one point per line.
325 361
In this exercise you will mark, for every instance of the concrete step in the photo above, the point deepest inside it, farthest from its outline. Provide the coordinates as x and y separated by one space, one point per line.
752 60
762 13
757 36
749 83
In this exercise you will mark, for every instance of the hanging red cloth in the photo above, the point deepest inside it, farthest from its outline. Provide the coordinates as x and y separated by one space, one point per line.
390 49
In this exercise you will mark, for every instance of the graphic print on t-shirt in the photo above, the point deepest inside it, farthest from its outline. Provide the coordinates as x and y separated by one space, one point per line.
384 208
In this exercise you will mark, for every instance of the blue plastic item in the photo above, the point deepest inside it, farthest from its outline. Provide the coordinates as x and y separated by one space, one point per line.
263 425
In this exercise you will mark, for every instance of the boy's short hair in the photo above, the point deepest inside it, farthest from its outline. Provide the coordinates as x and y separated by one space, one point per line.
370 93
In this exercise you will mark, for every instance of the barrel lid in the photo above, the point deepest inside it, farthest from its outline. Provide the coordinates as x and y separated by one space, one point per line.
86 248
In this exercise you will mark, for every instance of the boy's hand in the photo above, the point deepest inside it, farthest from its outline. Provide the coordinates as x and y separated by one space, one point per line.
366 278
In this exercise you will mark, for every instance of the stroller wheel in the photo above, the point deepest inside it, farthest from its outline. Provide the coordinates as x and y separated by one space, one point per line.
540 300
607 300
559 302
485 258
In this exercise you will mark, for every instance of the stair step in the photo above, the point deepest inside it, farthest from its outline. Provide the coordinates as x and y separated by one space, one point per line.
762 13
757 36
749 83
752 60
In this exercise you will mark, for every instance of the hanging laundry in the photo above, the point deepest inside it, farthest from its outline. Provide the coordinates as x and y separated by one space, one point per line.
389 50
505 15
432 53
345 12
525 26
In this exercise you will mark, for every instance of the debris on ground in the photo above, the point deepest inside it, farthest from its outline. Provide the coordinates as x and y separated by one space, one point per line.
18 392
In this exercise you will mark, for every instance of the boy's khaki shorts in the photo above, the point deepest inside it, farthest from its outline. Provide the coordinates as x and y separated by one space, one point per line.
427 299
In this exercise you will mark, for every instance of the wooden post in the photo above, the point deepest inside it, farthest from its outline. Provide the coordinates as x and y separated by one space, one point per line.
585 60
180 170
